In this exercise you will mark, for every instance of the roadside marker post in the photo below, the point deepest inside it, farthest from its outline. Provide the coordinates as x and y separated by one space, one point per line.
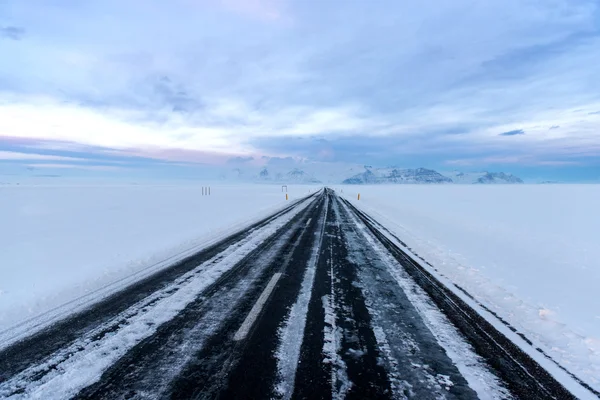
359 196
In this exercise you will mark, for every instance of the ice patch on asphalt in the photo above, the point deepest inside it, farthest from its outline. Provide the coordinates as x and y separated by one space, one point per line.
332 338
399 385
291 334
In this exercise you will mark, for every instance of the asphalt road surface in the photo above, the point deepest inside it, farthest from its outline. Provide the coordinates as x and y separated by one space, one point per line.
314 302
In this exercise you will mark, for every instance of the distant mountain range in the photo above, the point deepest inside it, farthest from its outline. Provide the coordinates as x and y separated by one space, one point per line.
483 177
360 175
395 175
294 176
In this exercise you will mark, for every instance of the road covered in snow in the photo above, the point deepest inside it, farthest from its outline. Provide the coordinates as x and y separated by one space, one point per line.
315 301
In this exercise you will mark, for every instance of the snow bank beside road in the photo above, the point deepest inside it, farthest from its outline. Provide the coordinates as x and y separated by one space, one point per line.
529 253
59 243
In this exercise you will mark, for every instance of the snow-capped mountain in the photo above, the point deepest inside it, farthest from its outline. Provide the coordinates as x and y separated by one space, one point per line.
290 171
482 177
499 177
268 175
295 175
396 175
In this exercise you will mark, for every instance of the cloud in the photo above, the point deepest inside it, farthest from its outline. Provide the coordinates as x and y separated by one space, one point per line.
558 163
513 132
12 32
524 160
240 160
176 155
554 127
77 166
217 80
14 156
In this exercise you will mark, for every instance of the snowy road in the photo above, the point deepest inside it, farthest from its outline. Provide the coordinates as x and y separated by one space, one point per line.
313 302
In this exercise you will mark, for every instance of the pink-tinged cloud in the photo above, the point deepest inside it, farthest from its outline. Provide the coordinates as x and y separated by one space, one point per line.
19 141
43 143
177 155
77 166
156 153
18 156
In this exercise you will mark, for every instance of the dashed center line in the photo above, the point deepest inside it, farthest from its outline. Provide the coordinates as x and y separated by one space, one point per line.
256 309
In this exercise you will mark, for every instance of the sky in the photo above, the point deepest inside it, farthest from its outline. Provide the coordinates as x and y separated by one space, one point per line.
146 86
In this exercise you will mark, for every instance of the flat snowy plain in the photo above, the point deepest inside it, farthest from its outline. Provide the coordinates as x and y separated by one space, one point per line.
59 243
530 253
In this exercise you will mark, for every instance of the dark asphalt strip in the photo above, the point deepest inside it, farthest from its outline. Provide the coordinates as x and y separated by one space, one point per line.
246 369
420 364
321 285
313 375
358 345
498 317
34 349
350 368
524 377
254 374
145 367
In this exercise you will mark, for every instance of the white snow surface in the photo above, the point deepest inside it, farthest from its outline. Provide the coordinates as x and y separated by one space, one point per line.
59 244
530 253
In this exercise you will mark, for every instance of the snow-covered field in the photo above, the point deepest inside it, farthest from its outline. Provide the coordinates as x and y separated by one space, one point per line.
58 243
529 253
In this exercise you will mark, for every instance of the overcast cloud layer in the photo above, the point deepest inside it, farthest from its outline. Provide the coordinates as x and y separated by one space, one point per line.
508 84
